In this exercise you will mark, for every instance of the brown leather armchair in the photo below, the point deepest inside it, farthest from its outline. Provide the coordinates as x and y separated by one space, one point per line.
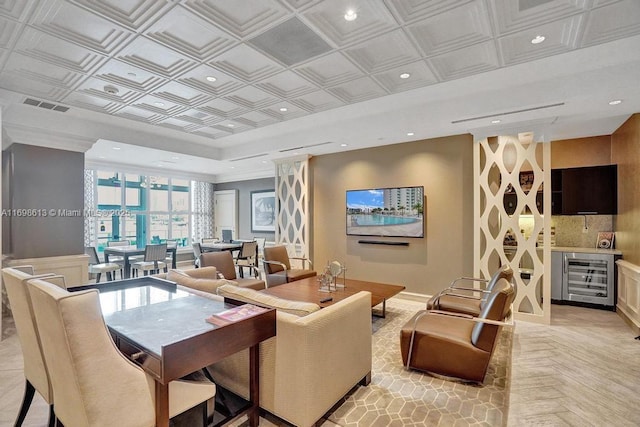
467 300
277 267
454 344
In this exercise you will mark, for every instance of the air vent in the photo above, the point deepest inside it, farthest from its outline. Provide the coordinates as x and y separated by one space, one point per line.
306 146
46 105
506 113
249 157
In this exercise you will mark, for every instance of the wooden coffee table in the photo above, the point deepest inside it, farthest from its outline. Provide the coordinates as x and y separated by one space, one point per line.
309 290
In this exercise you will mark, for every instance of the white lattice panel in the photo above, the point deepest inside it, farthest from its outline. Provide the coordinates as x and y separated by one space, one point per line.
517 166
292 205
90 236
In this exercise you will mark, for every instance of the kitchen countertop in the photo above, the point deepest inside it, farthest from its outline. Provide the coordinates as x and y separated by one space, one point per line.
586 250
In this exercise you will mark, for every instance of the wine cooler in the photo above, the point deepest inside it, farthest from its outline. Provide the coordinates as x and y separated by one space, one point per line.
589 278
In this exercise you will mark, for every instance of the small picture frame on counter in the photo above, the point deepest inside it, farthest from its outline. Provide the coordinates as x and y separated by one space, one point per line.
605 240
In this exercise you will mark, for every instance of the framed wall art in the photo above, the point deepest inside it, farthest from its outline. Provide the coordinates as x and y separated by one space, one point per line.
263 211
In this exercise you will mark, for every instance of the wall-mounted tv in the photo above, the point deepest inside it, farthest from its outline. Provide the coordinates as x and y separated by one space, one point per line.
386 212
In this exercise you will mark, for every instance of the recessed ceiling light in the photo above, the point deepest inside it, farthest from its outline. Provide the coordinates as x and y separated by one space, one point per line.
175 158
211 79
116 148
159 104
538 39
343 145
264 161
495 121
102 157
351 15
230 125
410 133
615 102
405 75
283 109
232 167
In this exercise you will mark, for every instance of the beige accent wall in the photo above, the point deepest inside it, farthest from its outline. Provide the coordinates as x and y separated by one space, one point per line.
444 166
626 153
580 152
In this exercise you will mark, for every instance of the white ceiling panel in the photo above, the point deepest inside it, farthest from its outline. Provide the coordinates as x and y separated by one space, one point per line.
317 101
418 73
330 70
189 34
560 36
458 28
57 51
409 10
121 94
287 85
518 15
357 90
246 63
155 58
241 18
16 9
79 26
383 52
210 80
121 73
196 66
133 14
612 22
373 19
464 62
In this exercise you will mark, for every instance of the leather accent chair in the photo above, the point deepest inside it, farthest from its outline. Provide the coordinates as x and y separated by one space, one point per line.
467 300
93 383
223 262
35 371
277 267
454 344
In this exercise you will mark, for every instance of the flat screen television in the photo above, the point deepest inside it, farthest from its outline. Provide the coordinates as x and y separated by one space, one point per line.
386 212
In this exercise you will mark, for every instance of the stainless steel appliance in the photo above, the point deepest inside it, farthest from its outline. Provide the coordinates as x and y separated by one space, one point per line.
589 278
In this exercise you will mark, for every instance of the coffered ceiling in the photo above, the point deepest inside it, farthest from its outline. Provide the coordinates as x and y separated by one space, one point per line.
241 83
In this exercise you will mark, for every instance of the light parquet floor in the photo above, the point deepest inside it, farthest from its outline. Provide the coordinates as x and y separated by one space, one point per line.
583 370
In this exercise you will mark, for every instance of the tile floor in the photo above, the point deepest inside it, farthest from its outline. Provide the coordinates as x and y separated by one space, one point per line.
583 370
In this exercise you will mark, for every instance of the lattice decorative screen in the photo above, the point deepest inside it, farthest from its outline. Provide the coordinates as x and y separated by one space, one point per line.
202 199
511 228
89 206
292 205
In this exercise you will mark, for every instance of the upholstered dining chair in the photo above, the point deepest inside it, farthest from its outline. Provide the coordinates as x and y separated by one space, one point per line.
197 251
277 266
93 383
35 371
154 260
115 258
248 258
454 344
96 267
223 262
460 299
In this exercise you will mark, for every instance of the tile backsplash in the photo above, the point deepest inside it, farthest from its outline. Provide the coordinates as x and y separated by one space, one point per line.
570 229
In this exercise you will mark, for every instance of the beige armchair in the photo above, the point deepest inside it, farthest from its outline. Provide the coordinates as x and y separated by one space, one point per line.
35 371
93 383
467 300
454 344
277 267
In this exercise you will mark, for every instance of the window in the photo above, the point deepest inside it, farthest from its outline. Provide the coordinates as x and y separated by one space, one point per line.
151 209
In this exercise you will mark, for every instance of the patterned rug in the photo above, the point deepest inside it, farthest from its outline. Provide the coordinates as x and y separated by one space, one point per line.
397 397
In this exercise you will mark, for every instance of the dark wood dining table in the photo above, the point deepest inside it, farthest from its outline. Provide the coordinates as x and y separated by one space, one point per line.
163 329
128 251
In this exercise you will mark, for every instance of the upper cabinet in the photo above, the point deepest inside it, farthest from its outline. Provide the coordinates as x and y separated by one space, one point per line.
585 191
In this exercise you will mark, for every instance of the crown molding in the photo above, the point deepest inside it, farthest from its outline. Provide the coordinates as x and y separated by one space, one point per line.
29 135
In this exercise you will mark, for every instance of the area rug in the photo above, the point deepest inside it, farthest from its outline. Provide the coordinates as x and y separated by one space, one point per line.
397 397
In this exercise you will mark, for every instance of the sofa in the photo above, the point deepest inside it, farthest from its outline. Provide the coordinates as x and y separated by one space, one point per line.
317 356
204 279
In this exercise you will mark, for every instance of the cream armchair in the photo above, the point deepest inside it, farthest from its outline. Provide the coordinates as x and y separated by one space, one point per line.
277 267
35 371
311 363
93 383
